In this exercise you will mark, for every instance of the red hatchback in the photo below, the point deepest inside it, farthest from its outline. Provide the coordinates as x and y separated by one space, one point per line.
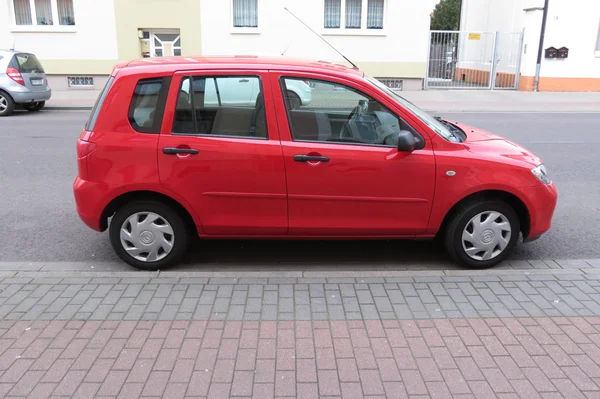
245 147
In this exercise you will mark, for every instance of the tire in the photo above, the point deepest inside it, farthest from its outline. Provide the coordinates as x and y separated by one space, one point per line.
464 221
293 100
7 105
34 107
154 234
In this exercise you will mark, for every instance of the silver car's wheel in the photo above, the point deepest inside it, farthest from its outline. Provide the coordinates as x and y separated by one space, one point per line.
147 236
486 235
3 103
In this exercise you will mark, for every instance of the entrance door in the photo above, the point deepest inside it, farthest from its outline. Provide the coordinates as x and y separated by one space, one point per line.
165 44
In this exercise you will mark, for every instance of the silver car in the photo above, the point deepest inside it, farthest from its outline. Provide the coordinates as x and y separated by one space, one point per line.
22 82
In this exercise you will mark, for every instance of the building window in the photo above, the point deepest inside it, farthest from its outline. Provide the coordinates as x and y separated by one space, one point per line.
81 81
357 14
44 12
375 14
392 83
333 13
245 13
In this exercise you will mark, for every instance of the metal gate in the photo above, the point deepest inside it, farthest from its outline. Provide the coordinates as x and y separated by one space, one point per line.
474 60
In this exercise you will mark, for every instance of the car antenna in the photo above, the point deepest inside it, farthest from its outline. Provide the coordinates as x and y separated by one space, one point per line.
322 38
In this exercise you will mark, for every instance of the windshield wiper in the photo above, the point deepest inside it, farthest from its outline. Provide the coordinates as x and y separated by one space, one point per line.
451 128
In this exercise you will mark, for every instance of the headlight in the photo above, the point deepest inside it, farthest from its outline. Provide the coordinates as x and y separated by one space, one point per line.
540 173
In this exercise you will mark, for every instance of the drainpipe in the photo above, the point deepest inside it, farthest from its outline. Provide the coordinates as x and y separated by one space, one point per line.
540 49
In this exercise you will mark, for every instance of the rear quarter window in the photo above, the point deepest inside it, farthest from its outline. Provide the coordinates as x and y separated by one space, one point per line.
98 106
148 104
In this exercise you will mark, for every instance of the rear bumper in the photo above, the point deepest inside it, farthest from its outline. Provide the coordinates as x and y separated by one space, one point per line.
542 201
29 96
90 202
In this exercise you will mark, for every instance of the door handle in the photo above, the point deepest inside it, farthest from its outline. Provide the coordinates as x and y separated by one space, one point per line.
310 158
244 80
175 151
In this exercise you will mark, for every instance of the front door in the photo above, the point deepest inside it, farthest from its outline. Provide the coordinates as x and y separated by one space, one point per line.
223 158
345 176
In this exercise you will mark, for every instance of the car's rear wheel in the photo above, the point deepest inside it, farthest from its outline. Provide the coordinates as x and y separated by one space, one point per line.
7 105
482 234
148 235
36 106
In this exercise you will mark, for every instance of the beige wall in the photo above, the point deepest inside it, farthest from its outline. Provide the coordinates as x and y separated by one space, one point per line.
132 15
393 69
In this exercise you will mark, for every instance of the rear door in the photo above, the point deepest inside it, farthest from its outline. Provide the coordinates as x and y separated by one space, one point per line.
223 157
31 70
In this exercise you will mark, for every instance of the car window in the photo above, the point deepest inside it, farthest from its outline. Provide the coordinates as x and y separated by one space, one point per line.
98 106
147 104
28 63
220 106
341 114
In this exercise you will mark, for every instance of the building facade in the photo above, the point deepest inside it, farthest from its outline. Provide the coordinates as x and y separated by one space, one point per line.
79 41
572 25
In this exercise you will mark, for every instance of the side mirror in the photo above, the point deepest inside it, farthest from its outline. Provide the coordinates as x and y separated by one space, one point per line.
407 141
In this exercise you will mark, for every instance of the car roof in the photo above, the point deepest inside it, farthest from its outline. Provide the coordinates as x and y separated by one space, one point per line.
173 64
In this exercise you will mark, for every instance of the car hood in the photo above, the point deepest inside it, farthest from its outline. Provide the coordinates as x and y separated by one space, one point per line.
485 143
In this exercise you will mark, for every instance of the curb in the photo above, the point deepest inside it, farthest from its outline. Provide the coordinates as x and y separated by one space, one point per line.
67 108
286 276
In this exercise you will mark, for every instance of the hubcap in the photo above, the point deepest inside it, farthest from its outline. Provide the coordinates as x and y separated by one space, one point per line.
3 103
486 235
147 237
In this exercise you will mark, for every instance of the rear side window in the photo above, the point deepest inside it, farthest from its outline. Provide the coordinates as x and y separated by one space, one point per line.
148 104
98 106
27 63
229 106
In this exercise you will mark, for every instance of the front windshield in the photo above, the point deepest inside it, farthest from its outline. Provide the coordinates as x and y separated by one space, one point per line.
429 120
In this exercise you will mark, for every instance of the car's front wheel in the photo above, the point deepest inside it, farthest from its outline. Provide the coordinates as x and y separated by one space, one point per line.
148 235
36 106
482 234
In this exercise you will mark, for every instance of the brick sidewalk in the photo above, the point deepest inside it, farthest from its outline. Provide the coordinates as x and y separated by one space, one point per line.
505 334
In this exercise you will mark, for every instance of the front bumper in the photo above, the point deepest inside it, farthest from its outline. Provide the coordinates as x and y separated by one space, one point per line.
28 96
541 202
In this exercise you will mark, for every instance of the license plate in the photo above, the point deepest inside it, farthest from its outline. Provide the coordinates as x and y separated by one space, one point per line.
37 82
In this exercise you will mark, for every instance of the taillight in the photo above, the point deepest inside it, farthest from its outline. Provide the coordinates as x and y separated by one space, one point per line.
84 148
15 75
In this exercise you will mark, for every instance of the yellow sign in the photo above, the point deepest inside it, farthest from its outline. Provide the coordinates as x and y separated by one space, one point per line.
474 36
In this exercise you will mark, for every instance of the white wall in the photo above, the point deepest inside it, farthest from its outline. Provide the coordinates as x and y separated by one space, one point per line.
503 16
570 23
406 28
573 24
94 35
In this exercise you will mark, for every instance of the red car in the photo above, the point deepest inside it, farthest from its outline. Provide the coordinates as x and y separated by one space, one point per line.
224 148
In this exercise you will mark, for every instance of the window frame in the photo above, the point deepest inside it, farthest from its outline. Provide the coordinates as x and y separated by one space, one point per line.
283 89
363 30
159 112
182 78
34 27
597 52
245 30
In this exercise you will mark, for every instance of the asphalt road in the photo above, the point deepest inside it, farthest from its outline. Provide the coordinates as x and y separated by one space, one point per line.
38 220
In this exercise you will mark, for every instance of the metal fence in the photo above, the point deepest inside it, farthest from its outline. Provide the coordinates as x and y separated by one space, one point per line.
474 60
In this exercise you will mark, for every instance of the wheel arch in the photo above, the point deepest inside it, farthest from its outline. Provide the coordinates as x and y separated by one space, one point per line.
511 199
119 201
